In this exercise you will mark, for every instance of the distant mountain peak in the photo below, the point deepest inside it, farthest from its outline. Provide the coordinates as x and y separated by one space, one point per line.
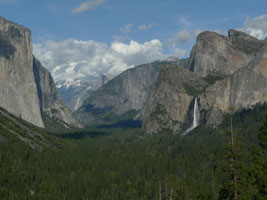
5 21
72 83
236 33
171 59
214 53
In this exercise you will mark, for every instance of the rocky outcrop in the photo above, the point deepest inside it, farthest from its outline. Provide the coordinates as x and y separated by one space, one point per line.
216 54
50 102
170 98
121 98
102 80
243 89
27 89
18 93
227 74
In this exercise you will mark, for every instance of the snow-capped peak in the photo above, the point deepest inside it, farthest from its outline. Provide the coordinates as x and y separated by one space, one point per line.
72 83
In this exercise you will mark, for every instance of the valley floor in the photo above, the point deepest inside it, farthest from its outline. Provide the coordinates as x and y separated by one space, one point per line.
126 164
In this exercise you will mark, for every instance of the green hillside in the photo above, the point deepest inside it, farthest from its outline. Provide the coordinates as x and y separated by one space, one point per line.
120 164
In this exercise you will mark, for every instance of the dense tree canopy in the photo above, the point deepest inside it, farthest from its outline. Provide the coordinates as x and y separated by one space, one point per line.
126 164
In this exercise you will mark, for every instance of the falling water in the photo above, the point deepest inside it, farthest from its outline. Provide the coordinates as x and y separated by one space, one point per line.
196 114
196 117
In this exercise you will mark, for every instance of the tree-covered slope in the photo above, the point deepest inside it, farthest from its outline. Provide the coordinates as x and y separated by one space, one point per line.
120 164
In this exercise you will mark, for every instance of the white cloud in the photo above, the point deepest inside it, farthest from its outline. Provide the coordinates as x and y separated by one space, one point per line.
257 33
185 21
72 59
180 37
136 53
257 26
146 26
180 53
126 28
88 5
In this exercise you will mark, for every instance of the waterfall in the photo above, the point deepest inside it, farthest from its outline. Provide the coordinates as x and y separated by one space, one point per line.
196 114
196 117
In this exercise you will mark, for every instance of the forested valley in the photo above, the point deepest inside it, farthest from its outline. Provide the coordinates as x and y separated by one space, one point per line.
127 164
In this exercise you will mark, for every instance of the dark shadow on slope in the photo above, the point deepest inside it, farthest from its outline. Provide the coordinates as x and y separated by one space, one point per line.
124 124
78 135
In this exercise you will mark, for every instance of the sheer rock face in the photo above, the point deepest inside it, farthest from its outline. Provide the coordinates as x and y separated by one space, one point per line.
238 81
50 101
243 89
18 93
217 54
122 97
26 87
168 102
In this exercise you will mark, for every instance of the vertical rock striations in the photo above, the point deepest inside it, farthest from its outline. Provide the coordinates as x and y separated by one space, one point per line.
26 87
121 98
50 102
18 93
243 89
215 54
225 72
170 98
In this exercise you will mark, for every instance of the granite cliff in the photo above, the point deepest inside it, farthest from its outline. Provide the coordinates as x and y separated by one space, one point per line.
51 104
18 92
225 73
169 99
27 89
121 98
244 88
216 54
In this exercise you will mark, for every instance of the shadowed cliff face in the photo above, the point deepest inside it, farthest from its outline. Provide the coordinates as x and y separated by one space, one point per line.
18 93
224 72
50 101
26 88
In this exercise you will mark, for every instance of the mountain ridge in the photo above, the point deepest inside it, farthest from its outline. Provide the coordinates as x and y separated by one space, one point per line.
217 54
230 87
121 98
50 102
74 92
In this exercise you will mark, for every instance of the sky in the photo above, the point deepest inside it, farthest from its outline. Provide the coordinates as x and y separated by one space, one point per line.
81 39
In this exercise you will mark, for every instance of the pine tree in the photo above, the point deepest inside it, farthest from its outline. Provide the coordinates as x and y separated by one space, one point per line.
234 169
259 166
